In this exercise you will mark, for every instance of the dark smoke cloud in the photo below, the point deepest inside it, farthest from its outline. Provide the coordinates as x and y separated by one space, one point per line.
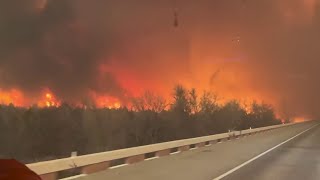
52 48
62 44
270 47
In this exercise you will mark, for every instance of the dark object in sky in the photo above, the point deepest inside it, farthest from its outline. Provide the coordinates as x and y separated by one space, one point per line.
11 169
176 21
175 14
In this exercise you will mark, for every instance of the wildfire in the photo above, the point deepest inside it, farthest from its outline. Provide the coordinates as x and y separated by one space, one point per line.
299 119
106 101
48 96
117 105
12 97
48 100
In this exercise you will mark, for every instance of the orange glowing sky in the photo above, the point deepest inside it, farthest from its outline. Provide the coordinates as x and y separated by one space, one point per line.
106 52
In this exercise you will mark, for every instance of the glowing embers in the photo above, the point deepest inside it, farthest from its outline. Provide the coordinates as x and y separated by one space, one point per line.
48 99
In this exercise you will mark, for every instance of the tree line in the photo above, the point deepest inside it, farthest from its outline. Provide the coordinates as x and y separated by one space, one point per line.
38 134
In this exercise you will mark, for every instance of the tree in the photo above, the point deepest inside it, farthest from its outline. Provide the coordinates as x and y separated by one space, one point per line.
181 103
230 116
91 129
149 101
262 115
193 101
208 102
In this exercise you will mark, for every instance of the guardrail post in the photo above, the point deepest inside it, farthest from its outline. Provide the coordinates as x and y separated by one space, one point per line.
74 154
93 168
135 159
50 176
213 142
163 153
232 135
249 132
202 144
224 139
184 148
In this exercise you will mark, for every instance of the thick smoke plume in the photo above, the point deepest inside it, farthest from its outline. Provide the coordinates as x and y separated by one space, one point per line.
265 50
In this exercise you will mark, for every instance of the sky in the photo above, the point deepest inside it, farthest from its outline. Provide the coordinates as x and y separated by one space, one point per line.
107 49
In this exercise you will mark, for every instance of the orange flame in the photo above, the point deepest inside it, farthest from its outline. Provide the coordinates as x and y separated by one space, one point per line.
106 101
48 100
298 119
12 96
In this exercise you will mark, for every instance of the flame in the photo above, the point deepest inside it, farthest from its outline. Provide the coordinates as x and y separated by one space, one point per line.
49 96
48 100
105 101
108 102
299 119
12 96
117 105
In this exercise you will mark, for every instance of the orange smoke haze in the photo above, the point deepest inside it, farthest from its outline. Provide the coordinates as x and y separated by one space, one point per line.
103 53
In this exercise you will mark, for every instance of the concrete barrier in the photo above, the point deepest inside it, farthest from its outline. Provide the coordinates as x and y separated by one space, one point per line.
100 161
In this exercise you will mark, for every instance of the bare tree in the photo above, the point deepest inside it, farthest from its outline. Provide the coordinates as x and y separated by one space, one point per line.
149 101
154 102
138 104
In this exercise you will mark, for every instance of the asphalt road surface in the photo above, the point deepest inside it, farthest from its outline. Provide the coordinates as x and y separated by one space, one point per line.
298 159
285 153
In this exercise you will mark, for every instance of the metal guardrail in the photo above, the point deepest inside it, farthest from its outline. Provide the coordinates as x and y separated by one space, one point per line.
101 161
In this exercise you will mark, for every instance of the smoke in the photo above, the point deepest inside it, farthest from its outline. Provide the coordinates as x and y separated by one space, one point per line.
284 56
46 44
75 47
265 50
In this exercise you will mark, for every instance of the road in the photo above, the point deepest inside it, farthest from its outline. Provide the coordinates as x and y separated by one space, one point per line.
295 160
285 153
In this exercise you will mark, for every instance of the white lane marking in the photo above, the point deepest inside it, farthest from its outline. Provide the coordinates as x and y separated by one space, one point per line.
260 155
175 152
152 158
118 166
74 177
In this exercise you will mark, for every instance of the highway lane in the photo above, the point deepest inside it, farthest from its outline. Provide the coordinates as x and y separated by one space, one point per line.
297 159
210 162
